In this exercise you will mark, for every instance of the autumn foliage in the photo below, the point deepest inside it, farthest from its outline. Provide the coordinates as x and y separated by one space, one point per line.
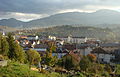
92 57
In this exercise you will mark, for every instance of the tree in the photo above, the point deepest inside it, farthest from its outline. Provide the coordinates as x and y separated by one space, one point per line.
68 62
15 50
49 59
85 63
33 57
11 42
108 68
92 57
4 47
19 54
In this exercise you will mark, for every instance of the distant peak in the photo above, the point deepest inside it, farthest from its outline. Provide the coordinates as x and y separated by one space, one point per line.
12 19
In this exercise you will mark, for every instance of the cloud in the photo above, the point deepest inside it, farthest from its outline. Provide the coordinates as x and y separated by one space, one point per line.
21 16
50 6
33 9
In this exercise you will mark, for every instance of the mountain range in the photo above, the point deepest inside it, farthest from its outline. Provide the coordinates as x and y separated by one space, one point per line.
101 18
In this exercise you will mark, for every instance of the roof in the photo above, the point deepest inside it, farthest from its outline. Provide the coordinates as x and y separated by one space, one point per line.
72 37
82 46
40 49
69 46
41 46
100 50
31 36
79 37
110 45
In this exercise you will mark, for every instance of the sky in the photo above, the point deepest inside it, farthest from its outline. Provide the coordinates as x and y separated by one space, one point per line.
26 10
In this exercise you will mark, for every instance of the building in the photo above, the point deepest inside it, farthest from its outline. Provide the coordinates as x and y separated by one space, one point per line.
71 39
30 37
117 56
110 47
51 37
85 49
102 55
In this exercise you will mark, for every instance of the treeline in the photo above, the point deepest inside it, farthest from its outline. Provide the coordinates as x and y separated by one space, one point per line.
66 30
11 50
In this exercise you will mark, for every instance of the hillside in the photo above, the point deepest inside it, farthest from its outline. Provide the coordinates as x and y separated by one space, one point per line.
11 22
101 33
107 18
7 29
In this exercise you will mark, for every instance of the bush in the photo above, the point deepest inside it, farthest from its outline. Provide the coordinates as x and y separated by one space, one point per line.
1 57
106 74
80 74
44 71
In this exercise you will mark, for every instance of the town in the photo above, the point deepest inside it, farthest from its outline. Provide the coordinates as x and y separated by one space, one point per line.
105 52
70 50
59 38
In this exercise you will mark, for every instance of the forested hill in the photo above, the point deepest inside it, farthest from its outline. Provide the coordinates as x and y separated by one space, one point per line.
101 33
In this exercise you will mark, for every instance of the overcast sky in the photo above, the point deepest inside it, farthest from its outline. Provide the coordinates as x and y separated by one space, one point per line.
33 9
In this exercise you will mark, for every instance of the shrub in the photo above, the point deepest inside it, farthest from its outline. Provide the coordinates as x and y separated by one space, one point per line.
44 71
1 57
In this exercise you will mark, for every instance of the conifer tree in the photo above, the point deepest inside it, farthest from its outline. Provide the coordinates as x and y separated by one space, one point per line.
15 50
4 47
11 41
19 54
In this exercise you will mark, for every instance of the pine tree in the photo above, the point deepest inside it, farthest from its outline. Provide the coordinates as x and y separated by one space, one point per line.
19 54
11 42
4 47
15 50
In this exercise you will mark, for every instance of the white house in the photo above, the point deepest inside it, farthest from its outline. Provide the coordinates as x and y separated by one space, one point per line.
71 39
32 37
52 37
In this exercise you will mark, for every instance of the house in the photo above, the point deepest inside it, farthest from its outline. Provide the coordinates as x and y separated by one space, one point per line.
102 55
59 42
30 37
69 47
51 37
110 47
117 56
84 49
40 47
60 52
71 39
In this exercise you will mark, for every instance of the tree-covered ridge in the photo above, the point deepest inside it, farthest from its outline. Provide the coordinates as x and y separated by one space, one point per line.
94 32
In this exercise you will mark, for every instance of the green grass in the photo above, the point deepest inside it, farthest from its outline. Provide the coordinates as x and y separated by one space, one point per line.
118 69
15 69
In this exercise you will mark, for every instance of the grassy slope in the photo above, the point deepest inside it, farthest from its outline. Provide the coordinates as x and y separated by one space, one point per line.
20 70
